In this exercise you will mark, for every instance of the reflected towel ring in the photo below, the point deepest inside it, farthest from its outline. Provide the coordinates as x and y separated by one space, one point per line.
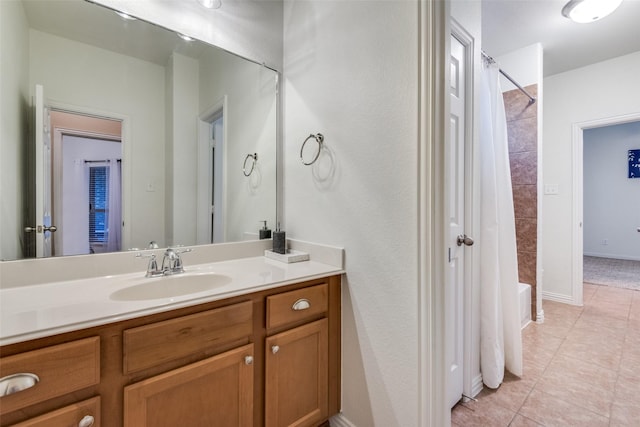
319 139
254 158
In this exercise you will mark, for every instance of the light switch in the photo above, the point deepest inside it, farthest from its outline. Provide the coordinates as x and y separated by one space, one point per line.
151 188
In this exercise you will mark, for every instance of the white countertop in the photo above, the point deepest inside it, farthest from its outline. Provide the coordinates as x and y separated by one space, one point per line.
36 311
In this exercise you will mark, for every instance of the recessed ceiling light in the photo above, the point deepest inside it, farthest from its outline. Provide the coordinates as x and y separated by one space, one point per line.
126 16
185 37
585 11
211 4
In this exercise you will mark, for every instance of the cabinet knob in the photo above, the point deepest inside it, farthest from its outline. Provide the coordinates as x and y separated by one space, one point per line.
17 382
301 304
86 421
248 360
275 349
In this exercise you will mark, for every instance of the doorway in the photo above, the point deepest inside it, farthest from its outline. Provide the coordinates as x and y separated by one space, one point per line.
460 171
210 215
578 246
86 180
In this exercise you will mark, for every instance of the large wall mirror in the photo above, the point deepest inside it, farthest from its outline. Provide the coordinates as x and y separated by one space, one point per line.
119 134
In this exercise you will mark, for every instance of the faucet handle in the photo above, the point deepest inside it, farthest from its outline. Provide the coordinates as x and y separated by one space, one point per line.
152 267
181 251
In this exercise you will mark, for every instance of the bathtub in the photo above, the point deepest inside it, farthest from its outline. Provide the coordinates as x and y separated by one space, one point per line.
524 290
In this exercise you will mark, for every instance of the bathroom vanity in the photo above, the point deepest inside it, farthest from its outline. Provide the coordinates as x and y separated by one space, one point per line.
266 356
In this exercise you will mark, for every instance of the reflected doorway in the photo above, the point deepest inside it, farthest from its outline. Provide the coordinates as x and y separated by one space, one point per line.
210 214
86 183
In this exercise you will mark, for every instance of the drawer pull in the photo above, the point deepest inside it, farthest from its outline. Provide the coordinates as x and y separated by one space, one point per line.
301 304
275 349
86 421
248 360
17 382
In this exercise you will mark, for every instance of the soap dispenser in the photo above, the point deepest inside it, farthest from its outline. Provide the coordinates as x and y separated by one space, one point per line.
279 241
265 233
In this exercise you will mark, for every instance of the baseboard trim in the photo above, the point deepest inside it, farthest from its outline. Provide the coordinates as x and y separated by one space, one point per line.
612 256
339 420
566 299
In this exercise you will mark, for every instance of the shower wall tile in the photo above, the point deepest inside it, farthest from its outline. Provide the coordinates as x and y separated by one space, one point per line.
527 234
522 131
523 135
527 267
524 167
517 105
525 200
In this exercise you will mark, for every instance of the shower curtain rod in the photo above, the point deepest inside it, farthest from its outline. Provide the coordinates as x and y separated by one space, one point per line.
508 77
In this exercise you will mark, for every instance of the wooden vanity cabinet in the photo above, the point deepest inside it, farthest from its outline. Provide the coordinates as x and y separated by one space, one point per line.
215 392
65 372
297 359
297 376
209 365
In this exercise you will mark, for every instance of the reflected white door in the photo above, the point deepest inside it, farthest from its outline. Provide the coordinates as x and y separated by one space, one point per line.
217 208
42 153
210 205
455 196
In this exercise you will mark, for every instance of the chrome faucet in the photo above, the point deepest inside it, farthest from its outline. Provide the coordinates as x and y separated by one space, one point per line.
152 267
171 263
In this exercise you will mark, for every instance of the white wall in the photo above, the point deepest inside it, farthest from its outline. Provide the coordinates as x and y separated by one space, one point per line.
249 28
602 90
14 111
523 65
351 73
611 199
129 87
181 149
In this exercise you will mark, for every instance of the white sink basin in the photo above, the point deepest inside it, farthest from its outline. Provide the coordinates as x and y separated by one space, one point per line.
170 286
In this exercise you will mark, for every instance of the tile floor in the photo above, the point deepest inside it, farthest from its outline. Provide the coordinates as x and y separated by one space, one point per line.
581 368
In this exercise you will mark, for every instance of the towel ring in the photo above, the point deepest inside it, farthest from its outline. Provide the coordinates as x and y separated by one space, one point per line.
254 158
319 139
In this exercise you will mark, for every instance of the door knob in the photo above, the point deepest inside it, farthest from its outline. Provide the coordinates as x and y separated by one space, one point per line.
41 229
464 239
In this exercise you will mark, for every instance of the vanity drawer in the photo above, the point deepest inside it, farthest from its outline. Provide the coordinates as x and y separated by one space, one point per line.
78 414
296 306
158 343
62 369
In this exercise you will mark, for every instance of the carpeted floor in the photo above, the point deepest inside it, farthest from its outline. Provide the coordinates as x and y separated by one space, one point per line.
620 273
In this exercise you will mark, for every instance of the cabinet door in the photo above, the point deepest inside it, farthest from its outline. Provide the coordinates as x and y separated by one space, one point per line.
215 392
297 370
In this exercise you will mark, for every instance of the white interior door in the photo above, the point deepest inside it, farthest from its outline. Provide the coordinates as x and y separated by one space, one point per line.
210 213
42 152
455 178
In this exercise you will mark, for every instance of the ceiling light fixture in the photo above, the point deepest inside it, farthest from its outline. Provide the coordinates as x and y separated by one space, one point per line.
211 4
126 16
585 11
